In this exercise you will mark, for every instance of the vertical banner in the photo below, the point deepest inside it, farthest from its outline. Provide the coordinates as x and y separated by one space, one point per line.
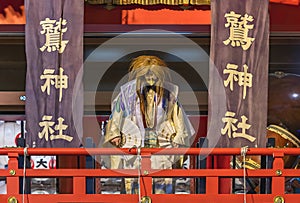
238 81
54 88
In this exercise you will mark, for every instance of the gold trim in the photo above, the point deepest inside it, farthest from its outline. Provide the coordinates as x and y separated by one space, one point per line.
285 134
249 164
147 2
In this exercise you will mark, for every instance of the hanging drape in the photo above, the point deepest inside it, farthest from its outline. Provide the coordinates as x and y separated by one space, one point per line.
54 88
238 84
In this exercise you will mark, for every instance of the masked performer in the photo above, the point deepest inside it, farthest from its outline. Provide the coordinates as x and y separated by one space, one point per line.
146 113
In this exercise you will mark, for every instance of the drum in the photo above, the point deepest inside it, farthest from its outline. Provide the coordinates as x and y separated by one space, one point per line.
283 120
284 112
284 101
283 139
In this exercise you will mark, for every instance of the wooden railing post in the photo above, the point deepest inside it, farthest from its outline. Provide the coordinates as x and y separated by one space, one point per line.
212 185
278 181
146 180
12 180
79 185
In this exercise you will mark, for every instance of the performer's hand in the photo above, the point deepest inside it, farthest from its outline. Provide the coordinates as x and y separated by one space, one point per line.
174 144
116 141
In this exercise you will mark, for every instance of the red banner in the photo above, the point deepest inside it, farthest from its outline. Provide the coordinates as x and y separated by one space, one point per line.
238 85
54 90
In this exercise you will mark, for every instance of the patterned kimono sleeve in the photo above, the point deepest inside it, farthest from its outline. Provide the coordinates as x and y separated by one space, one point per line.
183 127
112 130
113 126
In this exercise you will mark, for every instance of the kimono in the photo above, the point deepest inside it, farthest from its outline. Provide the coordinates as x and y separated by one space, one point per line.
165 125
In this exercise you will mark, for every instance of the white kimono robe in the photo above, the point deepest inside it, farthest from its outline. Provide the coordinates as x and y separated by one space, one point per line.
171 126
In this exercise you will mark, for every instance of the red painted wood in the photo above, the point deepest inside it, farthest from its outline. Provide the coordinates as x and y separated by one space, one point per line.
283 18
212 194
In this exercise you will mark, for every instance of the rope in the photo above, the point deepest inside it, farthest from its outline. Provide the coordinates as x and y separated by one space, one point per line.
139 172
243 154
24 173
139 158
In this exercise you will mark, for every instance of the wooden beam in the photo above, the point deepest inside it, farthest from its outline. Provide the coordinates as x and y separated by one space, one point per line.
101 101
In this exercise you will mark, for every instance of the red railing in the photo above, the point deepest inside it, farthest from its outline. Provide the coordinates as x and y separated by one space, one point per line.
213 176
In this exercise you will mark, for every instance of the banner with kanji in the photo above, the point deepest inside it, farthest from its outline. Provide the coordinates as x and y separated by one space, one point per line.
54 88
238 81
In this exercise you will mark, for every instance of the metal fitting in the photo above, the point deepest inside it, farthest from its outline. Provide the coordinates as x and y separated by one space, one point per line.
12 172
146 172
22 98
278 199
278 172
146 199
12 200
